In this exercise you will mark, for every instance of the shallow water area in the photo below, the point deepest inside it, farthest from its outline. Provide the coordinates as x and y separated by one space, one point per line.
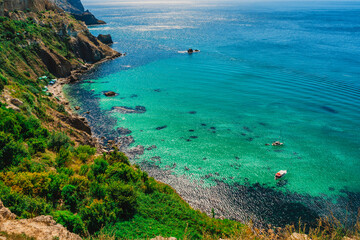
266 72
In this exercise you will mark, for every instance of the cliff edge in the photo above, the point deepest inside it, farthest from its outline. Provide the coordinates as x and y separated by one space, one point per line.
76 8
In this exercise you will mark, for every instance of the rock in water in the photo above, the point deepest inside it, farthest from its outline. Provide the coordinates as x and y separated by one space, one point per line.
110 94
105 38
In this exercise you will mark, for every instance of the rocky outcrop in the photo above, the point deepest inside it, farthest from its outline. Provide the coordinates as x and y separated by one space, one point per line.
40 228
105 38
79 123
23 5
88 18
76 8
55 63
5 213
89 48
72 6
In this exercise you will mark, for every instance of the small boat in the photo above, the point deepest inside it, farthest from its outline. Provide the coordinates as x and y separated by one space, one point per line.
280 174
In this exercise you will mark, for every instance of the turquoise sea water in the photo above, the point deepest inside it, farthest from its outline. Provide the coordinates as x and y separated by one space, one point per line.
266 72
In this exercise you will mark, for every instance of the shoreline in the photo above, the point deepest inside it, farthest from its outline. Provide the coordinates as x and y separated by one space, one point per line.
255 202
58 94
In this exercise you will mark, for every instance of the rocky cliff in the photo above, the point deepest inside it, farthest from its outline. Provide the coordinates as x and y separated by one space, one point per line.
76 8
23 5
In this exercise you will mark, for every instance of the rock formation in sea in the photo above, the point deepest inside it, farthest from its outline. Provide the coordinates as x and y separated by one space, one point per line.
105 38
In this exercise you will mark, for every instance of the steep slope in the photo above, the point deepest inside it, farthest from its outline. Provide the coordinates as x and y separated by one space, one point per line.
76 8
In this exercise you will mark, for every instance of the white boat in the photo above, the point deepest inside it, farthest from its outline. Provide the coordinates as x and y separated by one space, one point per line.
280 174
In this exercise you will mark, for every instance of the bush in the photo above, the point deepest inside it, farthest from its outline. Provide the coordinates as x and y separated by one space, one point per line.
99 167
84 152
70 196
37 145
58 140
63 158
11 152
122 199
96 215
97 190
116 156
84 169
60 108
72 222
122 172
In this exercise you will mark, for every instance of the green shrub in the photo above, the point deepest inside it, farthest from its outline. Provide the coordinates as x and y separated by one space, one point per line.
116 156
99 167
122 198
72 222
122 172
97 190
63 158
11 152
70 196
28 98
60 108
96 216
23 206
84 169
37 145
84 152
58 140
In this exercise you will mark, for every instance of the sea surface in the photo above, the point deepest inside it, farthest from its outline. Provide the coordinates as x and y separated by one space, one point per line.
265 72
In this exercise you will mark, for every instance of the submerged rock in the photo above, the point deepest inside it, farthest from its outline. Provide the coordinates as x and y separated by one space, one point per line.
127 110
151 147
123 131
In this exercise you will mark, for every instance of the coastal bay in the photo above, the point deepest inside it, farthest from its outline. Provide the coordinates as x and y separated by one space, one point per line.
245 89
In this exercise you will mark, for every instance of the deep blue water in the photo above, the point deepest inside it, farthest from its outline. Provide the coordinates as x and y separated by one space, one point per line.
266 72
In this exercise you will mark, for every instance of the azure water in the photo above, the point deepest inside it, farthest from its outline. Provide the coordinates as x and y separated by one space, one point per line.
266 72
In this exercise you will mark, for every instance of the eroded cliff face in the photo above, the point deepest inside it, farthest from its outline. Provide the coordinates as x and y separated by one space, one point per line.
72 6
83 47
23 5
76 8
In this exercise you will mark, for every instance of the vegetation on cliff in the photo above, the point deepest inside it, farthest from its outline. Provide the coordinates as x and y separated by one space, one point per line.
48 166
45 168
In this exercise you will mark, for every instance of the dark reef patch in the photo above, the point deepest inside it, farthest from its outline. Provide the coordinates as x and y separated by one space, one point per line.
127 110
247 129
329 109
